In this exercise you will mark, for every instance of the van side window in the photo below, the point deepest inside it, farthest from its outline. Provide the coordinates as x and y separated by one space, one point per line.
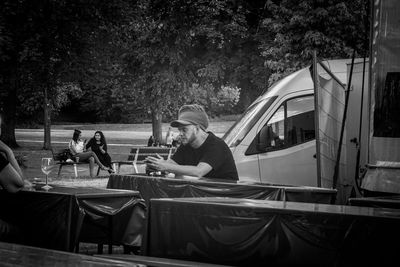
276 129
291 124
300 120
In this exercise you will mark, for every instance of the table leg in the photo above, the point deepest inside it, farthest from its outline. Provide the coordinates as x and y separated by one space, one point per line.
59 170
110 234
76 171
116 167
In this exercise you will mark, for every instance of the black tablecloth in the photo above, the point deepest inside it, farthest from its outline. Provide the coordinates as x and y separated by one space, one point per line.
377 202
159 187
19 255
58 218
267 233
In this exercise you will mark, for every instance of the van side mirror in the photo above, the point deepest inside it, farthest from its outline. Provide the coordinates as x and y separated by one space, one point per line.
265 139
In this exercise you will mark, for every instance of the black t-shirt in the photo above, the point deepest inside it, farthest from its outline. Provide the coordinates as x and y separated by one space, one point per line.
96 147
3 162
215 152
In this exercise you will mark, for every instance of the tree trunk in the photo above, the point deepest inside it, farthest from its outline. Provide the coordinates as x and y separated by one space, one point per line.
8 120
156 121
46 120
47 78
9 108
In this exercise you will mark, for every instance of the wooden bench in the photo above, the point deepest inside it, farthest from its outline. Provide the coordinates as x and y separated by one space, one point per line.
139 154
58 161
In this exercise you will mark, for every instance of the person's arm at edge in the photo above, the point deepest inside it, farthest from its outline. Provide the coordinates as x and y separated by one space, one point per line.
12 178
10 157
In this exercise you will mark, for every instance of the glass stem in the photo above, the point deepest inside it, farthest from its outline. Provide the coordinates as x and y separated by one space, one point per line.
46 179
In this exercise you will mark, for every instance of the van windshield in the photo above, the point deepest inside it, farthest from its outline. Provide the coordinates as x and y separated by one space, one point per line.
241 127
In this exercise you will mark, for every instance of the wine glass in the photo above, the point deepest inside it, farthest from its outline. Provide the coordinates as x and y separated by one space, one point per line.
47 167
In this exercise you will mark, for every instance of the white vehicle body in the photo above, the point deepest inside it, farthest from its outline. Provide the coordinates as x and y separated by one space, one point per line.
288 103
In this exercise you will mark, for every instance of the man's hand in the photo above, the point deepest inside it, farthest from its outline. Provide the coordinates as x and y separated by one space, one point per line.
157 163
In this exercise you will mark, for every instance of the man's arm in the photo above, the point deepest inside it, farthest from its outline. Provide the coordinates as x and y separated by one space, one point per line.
160 164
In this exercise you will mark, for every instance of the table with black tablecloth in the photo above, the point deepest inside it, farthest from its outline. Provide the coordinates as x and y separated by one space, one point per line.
62 216
245 232
163 187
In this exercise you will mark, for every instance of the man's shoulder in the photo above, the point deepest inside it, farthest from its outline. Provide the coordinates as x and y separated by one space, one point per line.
212 138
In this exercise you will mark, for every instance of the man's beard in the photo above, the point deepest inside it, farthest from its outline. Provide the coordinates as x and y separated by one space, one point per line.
190 140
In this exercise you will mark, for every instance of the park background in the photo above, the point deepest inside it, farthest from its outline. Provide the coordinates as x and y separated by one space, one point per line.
121 64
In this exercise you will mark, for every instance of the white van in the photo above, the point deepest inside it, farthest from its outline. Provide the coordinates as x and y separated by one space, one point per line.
274 141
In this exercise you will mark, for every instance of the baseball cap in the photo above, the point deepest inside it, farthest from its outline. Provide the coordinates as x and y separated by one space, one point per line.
191 115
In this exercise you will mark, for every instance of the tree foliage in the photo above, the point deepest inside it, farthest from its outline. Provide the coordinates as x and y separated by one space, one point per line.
187 51
41 50
295 28
125 61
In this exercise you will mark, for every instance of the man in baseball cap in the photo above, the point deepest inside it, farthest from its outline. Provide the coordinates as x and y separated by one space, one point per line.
201 154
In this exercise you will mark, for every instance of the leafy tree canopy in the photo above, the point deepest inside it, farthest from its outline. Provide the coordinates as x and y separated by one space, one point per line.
122 60
295 28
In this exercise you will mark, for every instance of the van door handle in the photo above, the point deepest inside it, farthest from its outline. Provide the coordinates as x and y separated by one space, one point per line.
314 156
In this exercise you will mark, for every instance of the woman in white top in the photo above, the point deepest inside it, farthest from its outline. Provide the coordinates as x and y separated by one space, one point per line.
78 149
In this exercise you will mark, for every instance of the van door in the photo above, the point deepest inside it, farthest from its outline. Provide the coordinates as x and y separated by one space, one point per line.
239 135
288 140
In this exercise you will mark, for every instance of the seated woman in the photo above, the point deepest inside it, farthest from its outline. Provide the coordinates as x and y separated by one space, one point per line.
98 145
77 148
